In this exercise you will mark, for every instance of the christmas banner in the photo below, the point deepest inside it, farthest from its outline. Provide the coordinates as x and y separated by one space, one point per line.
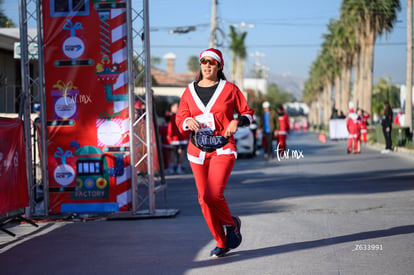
13 178
86 86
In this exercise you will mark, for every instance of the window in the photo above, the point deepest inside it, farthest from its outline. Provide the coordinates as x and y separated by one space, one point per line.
89 167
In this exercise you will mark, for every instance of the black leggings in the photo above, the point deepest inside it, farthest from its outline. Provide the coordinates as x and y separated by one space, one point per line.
269 149
387 136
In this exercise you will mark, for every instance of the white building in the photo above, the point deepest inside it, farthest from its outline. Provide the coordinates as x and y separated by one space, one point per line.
403 90
255 84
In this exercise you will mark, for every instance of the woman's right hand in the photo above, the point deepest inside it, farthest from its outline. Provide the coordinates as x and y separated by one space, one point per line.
193 124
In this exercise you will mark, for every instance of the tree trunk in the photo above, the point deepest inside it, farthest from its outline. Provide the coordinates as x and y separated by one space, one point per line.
319 110
338 91
233 67
324 105
362 73
409 77
357 85
346 81
328 102
369 71
240 74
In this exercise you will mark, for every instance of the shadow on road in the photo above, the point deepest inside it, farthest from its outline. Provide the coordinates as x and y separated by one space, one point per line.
292 247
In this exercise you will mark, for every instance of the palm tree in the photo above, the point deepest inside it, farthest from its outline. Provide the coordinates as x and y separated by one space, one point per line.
372 18
409 78
239 53
312 90
342 47
5 22
193 64
349 56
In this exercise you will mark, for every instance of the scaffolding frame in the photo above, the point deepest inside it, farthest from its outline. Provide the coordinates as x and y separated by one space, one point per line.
145 185
29 12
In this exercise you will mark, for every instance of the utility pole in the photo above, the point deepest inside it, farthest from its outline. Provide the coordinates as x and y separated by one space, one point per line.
213 25
409 77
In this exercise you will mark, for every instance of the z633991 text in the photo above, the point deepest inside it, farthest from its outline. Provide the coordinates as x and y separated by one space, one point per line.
367 247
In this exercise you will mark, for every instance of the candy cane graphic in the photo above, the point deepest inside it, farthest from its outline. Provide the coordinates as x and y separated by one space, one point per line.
112 72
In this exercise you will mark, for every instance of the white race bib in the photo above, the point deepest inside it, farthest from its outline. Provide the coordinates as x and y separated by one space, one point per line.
206 122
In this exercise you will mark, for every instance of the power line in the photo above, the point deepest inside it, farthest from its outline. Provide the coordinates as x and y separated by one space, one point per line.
273 45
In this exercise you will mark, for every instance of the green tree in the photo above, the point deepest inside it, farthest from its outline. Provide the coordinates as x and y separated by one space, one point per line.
155 60
5 22
371 18
275 95
383 92
140 72
239 53
193 64
347 56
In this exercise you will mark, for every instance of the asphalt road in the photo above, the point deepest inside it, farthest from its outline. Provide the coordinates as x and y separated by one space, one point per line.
321 211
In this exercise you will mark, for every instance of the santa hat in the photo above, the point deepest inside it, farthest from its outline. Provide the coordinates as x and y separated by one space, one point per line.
138 105
215 54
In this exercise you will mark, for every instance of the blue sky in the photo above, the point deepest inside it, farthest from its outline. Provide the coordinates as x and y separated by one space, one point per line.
286 35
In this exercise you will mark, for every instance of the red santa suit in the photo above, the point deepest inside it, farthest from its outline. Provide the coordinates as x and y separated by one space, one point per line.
212 169
162 130
174 135
353 126
364 123
283 131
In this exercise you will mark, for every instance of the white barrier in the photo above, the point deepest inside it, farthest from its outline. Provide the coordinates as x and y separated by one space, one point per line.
337 129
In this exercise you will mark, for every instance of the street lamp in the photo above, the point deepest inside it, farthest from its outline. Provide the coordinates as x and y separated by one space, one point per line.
243 25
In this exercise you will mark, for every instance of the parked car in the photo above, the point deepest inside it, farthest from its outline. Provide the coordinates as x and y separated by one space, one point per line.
245 142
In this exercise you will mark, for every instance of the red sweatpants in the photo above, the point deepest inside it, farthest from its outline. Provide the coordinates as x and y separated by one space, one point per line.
211 180
364 135
281 139
354 141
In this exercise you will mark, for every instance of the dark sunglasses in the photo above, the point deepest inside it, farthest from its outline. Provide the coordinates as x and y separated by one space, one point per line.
212 62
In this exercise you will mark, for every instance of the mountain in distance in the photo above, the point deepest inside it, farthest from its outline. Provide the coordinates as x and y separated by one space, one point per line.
289 83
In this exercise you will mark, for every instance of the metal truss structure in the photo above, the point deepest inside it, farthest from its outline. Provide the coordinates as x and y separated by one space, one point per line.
32 87
146 184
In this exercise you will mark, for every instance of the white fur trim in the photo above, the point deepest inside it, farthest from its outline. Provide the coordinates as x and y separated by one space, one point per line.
199 103
198 160
227 151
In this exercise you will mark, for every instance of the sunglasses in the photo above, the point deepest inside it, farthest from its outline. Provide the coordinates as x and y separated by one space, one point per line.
212 62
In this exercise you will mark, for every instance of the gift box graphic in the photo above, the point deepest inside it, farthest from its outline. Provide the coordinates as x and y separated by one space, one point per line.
108 75
109 129
65 101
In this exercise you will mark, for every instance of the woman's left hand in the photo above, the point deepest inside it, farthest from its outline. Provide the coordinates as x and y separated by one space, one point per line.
231 129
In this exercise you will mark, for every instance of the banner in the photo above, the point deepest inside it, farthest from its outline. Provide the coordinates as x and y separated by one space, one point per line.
13 178
86 85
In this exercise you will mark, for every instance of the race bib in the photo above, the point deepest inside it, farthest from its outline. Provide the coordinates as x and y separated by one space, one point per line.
206 122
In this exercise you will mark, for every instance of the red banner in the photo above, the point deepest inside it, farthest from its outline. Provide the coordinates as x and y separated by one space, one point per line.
13 178
87 105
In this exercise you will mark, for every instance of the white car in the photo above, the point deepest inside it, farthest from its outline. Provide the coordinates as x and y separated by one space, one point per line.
245 142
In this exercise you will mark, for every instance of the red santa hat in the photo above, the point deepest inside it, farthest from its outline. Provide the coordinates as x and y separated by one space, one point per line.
215 54
138 105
